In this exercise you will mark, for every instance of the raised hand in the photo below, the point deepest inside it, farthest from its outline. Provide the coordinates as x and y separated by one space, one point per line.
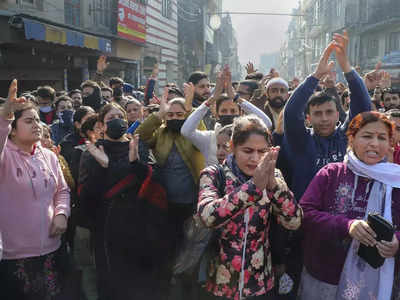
373 78
219 88
12 100
341 42
228 82
98 153
250 68
188 90
386 81
164 106
102 64
134 148
324 66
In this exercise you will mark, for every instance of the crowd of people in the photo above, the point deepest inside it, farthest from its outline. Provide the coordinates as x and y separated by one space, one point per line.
270 186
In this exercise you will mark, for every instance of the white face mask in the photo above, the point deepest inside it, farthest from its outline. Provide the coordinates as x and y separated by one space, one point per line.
45 109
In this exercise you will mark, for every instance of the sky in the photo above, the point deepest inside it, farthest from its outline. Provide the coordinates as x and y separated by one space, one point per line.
259 34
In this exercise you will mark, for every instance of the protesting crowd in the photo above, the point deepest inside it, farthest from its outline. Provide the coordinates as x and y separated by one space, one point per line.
258 189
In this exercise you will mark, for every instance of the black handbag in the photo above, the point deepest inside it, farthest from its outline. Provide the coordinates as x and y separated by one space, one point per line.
384 231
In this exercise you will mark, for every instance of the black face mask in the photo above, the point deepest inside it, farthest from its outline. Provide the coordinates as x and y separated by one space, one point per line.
277 102
117 92
116 128
227 119
175 125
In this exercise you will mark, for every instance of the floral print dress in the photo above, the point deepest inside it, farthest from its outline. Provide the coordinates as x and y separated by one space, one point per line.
227 215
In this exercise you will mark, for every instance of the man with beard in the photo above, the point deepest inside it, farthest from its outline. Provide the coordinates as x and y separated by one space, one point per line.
391 99
277 91
201 93
201 87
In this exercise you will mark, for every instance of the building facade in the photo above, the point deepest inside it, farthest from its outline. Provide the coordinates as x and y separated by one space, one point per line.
58 42
161 41
374 28
207 40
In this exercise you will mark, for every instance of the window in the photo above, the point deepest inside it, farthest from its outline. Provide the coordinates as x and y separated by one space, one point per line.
167 8
363 10
102 12
394 41
72 10
339 8
373 48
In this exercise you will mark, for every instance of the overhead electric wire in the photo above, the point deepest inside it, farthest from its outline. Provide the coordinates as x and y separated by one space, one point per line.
255 13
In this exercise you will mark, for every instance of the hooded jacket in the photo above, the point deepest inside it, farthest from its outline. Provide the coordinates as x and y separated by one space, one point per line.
33 191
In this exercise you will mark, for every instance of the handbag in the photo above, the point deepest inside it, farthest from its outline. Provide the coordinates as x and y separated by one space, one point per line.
384 231
199 240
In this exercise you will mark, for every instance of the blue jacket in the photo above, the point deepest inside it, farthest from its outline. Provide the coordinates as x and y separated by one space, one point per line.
309 152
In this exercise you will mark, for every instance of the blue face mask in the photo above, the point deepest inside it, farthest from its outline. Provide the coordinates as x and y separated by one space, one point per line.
45 109
66 117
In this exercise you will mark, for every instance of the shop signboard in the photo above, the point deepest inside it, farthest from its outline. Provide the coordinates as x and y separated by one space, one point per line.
132 20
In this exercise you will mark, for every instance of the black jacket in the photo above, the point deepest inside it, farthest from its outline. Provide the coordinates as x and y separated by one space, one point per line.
129 209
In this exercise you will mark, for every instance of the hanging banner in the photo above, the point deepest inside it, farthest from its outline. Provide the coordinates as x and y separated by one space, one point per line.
132 20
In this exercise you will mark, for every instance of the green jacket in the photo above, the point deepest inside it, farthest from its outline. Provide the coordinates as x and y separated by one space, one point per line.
153 132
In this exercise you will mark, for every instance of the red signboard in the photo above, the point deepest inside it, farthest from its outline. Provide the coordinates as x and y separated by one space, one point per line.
132 20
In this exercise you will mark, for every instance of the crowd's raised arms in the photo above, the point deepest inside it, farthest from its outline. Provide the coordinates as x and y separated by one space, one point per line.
217 186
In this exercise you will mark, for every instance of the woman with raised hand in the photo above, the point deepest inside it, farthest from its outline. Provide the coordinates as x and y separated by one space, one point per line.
253 193
34 205
336 205
227 109
128 209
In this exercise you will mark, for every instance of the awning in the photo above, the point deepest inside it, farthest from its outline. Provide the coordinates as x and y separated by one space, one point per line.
44 32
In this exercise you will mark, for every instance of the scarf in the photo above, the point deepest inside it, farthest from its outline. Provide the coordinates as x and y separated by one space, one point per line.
231 162
359 280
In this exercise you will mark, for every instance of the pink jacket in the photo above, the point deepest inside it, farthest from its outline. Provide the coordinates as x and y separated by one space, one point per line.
32 192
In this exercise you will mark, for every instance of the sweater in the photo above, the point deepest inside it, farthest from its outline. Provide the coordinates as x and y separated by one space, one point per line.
206 140
309 151
328 209
33 191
